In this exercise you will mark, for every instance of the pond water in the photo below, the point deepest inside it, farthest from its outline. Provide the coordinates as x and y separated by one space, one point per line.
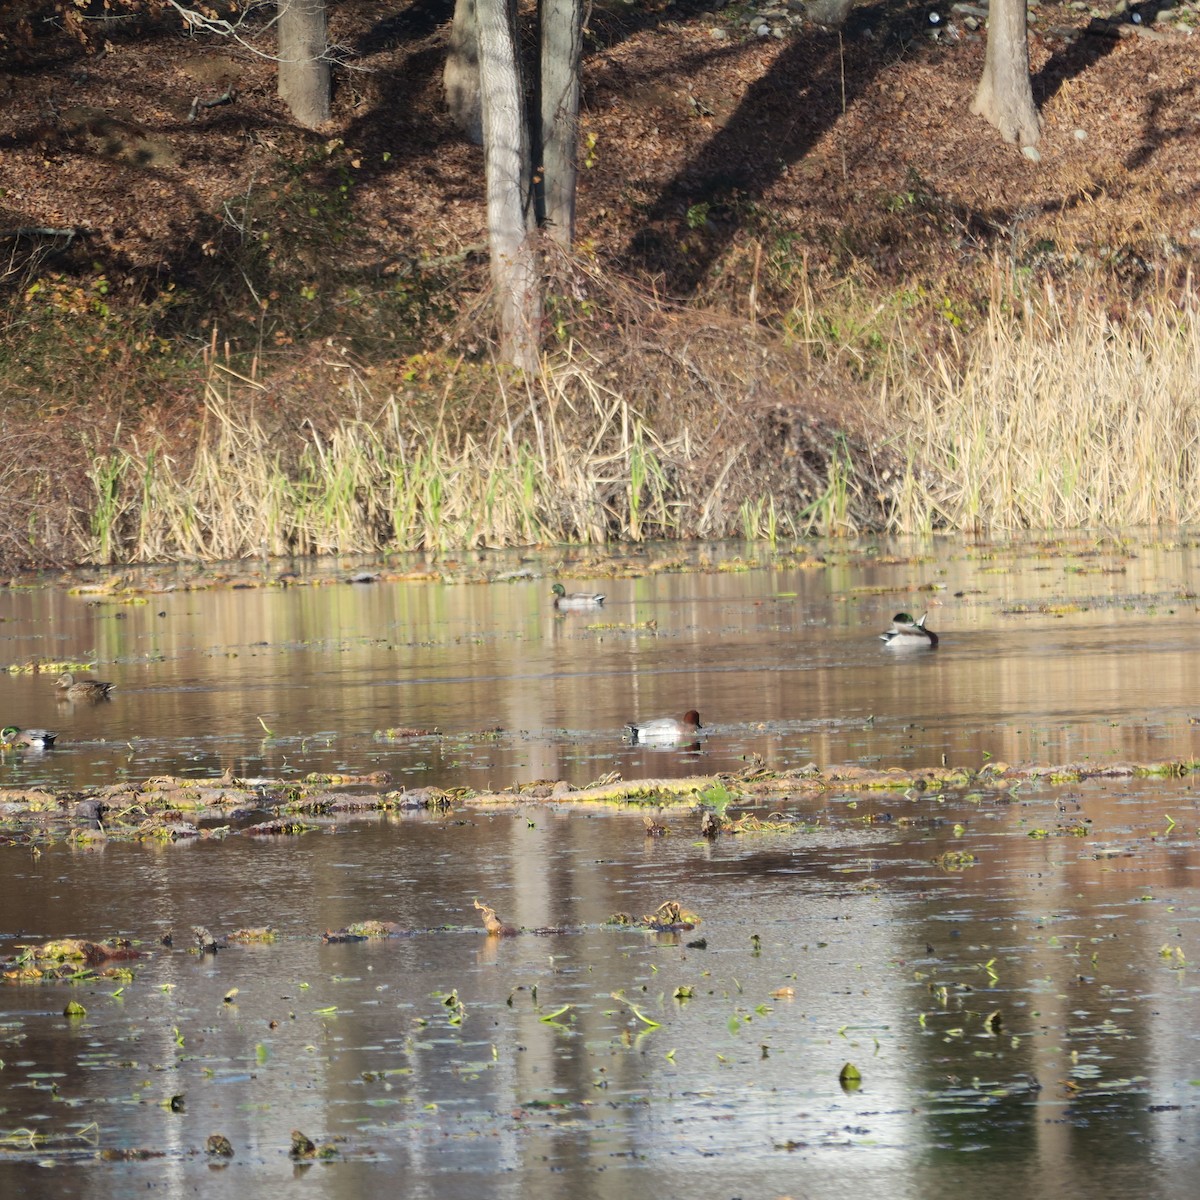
1012 971
1050 651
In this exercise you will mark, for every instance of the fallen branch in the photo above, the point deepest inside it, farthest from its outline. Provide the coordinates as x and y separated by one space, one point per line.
31 231
197 104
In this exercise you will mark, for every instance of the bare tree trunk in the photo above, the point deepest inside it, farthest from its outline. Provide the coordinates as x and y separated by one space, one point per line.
303 67
511 226
460 77
562 49
1005 94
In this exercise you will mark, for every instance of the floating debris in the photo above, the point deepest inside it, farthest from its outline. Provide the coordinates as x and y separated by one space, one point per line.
68 959
669 917
258 936
205 941
304 1147
280 827
361 931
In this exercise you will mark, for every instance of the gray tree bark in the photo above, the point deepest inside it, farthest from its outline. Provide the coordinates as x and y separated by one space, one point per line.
1005 94
562 49
303 66
506 161
460 76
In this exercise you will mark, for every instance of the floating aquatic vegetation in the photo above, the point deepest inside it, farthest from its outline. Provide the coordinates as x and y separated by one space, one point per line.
259 935
956 860
282 826
553 1018
717 796
68 959
361 931
36 666
775 802
206 943
167 831
36 1139
749 823
377 778
637 1012
669 917
457 1011
304 1147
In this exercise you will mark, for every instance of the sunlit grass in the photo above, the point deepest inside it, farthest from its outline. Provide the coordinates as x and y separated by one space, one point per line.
375 484
1049 411
1058 414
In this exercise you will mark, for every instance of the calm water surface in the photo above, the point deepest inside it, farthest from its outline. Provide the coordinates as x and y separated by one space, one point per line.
879 930
1051 652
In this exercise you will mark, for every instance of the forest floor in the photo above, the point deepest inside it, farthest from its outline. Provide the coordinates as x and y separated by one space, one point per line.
157 200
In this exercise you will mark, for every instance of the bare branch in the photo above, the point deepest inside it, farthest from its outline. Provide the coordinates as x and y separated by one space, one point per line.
197 22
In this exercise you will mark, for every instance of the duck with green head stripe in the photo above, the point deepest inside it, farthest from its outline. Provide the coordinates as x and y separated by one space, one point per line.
907 634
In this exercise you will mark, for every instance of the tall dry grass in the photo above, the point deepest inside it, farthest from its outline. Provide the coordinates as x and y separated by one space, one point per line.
364 485
663 432
1057 413
374 482
1053 412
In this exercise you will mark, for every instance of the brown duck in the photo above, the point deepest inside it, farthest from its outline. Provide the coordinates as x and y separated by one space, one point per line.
82 689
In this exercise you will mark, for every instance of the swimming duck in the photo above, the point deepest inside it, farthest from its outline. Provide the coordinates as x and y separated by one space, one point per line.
907 634
83 689
564 600
665 731
41 739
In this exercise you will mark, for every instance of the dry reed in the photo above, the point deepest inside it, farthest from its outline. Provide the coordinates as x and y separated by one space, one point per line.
372 484
1053 412
664 435
1059 414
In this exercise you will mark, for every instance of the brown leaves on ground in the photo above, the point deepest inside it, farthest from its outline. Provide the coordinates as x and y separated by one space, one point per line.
833 134
821 184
